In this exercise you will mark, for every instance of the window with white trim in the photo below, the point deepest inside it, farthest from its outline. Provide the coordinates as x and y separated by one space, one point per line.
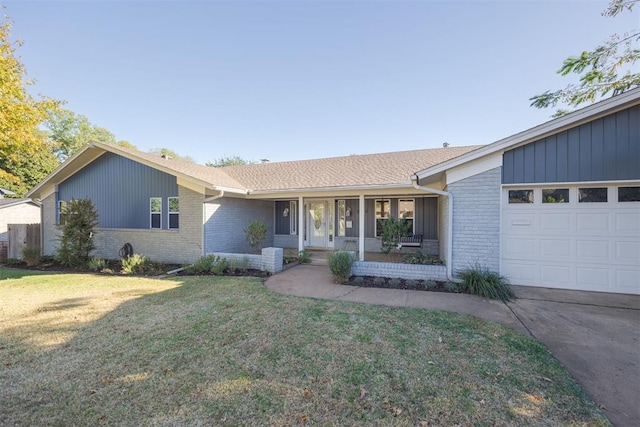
628 194
62 206
592 195
174 212
155 208
342 217
293 217
383 210
406 209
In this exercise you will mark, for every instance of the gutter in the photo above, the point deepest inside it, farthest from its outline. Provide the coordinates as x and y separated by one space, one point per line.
449 237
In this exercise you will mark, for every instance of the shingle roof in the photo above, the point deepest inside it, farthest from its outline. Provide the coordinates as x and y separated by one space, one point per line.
356 170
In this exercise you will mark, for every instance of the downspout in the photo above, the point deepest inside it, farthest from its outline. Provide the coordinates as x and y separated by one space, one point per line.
449 196
204 214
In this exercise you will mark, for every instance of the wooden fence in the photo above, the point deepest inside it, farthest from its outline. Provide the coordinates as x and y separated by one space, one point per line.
22 236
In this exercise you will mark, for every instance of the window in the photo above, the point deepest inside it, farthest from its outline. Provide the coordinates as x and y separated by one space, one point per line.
592 195
293 217
62 206
383 209
520 196
155 207
629 194
342 217
406 211
174 212
555 195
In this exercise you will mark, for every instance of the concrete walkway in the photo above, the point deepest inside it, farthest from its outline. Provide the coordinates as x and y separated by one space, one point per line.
595 336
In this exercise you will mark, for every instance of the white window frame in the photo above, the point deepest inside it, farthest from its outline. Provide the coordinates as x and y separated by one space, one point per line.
412 218
152 213
172 213
61 204
293 217
376 218
342 218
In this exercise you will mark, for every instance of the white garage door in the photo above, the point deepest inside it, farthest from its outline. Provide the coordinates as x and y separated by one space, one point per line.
585 238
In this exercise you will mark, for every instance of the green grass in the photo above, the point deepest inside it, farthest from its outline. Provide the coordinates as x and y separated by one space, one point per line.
88 349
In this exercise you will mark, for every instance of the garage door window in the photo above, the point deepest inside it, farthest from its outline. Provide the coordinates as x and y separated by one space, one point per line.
629 194
520 196
555 195
592 195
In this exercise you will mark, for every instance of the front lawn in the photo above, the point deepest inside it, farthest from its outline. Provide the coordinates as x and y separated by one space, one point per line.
89 349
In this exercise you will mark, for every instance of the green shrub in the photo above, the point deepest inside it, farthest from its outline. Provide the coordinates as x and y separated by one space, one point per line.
431 284
479 280
304 257
133 264
78 219
340 264
209 264
220 266
379 281
452 287
31 255
256 232
12 262
96 264
420 258
392 230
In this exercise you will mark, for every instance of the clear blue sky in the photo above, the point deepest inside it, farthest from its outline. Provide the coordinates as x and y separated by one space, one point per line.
287 80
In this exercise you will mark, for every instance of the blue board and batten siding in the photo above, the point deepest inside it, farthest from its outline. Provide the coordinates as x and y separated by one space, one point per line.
606 149
121 190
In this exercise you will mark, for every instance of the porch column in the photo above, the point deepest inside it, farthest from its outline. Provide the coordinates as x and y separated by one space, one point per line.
361 228
300 224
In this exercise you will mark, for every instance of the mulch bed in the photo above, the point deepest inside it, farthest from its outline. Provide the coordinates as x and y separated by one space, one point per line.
416 285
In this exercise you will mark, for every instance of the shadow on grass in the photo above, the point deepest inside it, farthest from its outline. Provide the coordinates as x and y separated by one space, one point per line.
17 273
227 351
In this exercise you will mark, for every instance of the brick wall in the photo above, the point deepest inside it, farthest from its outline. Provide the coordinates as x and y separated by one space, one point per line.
476 220
49 232
269 260
226 219
400 271
24 213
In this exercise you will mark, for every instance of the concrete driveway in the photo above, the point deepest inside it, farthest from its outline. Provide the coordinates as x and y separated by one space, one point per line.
596 336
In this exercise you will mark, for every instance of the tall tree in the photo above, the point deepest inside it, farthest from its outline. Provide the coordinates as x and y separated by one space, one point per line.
172 154
70 131
20 113
599 69
28 169
229 161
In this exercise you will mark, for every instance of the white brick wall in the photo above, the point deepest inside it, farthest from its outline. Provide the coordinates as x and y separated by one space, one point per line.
226 220
476 220
270 260
399 271
24 213
48 227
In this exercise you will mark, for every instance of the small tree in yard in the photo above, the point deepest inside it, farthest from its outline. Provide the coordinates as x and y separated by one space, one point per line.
77 222
392 230
256 232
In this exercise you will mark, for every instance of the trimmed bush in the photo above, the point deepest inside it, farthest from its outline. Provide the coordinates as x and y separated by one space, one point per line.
211 264
96 264
133 264
479 280
31 256
340 264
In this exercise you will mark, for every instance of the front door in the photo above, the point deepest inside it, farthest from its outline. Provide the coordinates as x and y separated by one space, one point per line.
317 224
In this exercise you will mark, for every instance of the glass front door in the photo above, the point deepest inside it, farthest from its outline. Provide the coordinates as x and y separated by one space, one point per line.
317 224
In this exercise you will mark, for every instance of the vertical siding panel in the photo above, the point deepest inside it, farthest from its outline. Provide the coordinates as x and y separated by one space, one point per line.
634 142
597 151
550 159
562 151
419 216
584 135
507 168
622 145
539 161
120 190
369 218
609 157
355 214
431 216
518 165
529 163
573 150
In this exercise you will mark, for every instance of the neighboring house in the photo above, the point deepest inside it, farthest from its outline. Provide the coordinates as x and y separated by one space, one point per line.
556 205
17 211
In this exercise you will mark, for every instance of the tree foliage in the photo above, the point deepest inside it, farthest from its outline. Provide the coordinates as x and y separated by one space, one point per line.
229 161
172 154
70 131
78 219
27 169
20 113
607 69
